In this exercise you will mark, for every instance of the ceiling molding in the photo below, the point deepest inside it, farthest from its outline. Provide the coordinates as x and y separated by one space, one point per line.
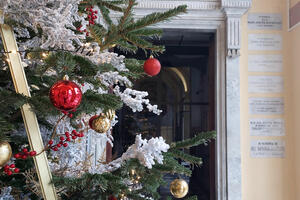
169 4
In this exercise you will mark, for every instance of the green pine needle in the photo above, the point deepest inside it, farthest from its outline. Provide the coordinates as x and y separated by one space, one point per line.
155 18
186 157
201 138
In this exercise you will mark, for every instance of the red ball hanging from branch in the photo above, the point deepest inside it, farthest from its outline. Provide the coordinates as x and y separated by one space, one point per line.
152 66
111 197
65 95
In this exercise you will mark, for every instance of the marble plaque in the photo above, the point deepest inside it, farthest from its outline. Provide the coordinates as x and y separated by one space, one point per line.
265 84
264 21
266 127
267 149
264 42
265 63
266 106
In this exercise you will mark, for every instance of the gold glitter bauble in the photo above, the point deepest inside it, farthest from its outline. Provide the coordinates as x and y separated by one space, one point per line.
5 153
101 124
179 188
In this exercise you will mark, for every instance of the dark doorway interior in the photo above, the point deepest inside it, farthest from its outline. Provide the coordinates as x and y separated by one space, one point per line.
184 90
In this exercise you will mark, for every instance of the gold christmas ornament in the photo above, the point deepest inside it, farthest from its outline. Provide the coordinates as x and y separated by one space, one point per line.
101 124
110 114
5 153
179 188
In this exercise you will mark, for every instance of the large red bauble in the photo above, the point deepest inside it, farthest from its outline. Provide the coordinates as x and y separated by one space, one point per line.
152 66
65 95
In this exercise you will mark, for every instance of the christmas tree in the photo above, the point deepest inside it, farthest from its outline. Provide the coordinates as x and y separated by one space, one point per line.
76 84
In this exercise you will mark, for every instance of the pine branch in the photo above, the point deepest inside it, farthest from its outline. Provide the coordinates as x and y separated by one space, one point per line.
201 138
98 32
172 166
84 182
105 14
186 157
110 38
155 18
135 66
112 5
11 101
147 32
126 47
42 106
143 44
92 101
126 14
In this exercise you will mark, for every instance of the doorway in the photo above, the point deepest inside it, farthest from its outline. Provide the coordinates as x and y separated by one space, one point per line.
185 91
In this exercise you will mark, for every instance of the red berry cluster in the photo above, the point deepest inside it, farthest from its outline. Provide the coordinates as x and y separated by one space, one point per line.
10 169
63 141
68 113
92 16
24 154
79 28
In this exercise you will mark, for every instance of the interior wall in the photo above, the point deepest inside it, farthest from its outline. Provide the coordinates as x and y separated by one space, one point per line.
294 73
272 178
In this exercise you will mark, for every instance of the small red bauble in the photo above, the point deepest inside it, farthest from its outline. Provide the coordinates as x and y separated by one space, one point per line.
152 67
111 197
65 95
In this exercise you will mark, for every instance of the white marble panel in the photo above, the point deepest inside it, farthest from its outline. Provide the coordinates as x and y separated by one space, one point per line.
265 84
264 21
265 63
267 149
264 42
266 127
266 106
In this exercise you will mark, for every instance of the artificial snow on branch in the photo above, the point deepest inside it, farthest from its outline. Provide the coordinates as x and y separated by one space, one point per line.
148 152
54 17
136 100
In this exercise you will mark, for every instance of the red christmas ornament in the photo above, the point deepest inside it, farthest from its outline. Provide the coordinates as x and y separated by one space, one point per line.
152 66
65 95
111 197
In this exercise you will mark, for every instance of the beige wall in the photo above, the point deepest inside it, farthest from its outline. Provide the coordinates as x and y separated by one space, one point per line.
272 178
294 74
293 2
